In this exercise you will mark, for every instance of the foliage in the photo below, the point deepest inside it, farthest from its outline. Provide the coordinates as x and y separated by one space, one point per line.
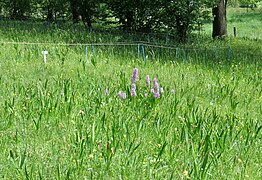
17 9
57 122
88 9
134 15
248 3
179 17
52 9
182 16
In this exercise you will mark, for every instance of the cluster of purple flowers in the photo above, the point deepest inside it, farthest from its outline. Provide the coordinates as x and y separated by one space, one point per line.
134 80
135 76
156 91
122 95
133 90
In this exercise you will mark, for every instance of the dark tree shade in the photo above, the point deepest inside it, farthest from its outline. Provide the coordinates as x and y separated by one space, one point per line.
17 9
179 17
74 8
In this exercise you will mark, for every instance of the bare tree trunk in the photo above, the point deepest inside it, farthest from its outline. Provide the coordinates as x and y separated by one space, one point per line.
220 21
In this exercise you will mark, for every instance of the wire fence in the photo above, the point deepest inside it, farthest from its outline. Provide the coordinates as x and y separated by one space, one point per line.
127 50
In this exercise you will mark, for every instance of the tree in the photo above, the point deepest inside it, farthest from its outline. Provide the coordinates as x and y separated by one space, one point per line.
17 9
51 9
181 16
88 9
74 8
134 15
220 19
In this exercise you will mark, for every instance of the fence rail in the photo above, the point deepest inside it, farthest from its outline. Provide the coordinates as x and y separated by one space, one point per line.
143 49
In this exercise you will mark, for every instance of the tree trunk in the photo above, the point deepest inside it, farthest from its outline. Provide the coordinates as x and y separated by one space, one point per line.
88 23
50 14
74 10
181 29
129 21
219 22
14 10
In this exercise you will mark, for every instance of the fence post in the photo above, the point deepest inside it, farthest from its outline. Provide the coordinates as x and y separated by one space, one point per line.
87 54
148 38
184 52
228 53
167 38
138 50
143 52
93 49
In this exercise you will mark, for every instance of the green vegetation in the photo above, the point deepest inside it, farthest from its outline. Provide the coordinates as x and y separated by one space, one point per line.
56 122
248 24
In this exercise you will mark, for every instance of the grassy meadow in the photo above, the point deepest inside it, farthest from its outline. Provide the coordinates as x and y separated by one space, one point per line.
66 120
248 23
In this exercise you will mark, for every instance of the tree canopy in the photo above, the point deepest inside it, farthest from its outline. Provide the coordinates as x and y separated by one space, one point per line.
174 16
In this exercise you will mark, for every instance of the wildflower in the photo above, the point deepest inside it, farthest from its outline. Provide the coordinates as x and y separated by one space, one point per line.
185 173
156 86
133 90
172 91
122 95
155 82
157 95
119 94
106 92
161 90
135 75
134 86
152 91
146 95
156 91
148 80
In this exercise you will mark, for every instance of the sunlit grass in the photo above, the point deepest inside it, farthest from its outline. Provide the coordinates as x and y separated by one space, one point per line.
248 23
57 122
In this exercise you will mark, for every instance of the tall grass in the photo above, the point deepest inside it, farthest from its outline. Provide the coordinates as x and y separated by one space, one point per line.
57 122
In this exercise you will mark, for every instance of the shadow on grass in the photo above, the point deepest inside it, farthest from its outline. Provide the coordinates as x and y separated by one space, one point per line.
200 49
